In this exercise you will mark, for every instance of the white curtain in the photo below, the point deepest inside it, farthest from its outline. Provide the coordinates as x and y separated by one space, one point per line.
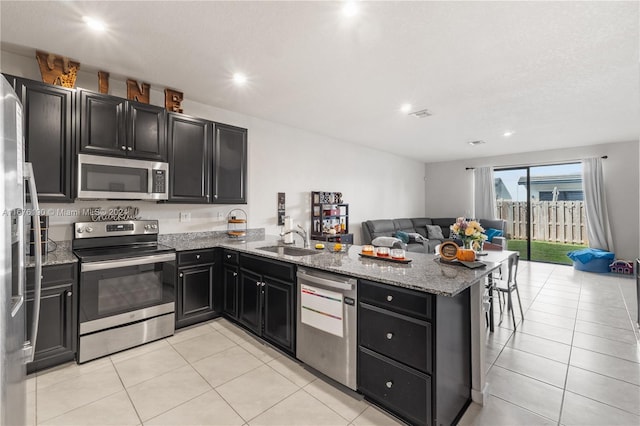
485 193
595 205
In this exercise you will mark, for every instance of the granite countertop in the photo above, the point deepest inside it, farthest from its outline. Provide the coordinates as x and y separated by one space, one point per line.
62 254
424 273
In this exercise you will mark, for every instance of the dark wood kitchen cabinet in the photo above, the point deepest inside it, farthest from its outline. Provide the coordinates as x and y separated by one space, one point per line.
229 178
49 137
114 126
414 352
190 146
58 323
231 282
266 300
198 292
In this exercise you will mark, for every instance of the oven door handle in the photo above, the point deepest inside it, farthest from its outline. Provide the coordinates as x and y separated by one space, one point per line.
120 263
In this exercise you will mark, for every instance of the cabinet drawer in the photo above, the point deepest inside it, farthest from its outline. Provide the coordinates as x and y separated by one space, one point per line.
229 256
399 337
195 257
271 268
397 388
53 275
396 299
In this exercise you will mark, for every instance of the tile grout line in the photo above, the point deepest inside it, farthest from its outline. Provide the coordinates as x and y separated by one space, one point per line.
126 391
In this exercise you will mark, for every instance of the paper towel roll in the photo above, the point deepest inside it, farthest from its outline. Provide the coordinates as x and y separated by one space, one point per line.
288 225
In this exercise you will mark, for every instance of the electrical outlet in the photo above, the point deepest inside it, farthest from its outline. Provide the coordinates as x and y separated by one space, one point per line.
185 216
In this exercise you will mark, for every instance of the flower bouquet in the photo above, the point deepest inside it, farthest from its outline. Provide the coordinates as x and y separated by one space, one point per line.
469 232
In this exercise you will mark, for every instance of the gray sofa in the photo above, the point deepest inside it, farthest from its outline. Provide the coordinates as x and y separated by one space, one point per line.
388 228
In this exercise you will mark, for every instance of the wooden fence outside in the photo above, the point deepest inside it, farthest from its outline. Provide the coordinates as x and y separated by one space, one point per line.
555 221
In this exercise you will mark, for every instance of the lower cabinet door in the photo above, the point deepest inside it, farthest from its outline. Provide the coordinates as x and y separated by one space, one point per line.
250 301
230 297
278 313
57 327
397 388
195 295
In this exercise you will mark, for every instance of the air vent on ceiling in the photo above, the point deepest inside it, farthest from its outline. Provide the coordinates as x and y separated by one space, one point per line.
474 143
422 113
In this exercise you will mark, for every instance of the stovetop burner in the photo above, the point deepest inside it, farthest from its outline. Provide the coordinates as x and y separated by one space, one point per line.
119 252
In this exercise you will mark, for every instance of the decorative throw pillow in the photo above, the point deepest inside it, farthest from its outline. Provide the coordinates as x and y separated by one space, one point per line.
386 241
402 236
434 232
491 233
415 236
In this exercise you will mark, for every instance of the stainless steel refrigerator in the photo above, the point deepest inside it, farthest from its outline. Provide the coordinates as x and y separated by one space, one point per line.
15 349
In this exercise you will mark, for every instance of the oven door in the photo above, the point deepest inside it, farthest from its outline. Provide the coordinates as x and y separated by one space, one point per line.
117 292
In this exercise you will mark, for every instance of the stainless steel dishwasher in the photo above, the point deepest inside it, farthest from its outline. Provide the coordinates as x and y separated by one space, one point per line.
326 338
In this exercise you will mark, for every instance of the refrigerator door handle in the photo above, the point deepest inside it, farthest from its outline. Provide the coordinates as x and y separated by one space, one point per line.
30 345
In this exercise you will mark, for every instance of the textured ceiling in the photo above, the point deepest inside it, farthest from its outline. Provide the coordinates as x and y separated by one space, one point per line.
558 74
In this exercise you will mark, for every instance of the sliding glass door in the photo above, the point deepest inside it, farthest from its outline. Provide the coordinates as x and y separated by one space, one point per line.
544 210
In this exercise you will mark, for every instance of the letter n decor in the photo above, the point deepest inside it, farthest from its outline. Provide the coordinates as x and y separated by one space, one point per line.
56 69
138 91
173 100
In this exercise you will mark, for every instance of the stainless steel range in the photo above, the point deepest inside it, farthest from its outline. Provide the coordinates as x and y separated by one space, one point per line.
127 286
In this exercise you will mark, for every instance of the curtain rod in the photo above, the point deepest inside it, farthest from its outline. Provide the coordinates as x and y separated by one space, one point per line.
604 157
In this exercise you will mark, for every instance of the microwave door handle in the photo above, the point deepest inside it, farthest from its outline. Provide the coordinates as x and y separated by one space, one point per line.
120 263
30 345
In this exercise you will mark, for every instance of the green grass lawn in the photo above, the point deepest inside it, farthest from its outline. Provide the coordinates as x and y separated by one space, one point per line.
544 251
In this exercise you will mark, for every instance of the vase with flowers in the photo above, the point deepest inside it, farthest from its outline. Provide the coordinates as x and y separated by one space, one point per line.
469 232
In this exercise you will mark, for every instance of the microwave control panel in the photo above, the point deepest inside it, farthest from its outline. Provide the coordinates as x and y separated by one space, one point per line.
159 181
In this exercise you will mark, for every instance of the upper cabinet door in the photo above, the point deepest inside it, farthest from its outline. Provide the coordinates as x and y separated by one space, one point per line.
230 165
146 131
190 144
102 124
48 137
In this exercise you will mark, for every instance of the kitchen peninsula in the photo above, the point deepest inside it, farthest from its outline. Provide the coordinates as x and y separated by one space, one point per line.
452 371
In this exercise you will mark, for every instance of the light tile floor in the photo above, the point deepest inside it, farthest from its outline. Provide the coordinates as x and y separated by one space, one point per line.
574 360
209 374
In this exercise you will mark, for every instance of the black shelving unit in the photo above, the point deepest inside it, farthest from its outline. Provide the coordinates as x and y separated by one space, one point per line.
328 213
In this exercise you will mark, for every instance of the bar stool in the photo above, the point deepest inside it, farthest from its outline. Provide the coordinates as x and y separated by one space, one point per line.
509 285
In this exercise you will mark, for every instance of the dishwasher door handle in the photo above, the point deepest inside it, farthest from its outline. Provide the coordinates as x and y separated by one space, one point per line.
302 276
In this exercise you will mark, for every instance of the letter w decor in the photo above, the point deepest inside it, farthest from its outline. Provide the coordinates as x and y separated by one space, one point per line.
138 91
56 69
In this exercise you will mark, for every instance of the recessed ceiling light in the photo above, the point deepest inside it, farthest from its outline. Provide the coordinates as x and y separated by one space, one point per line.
474 143
94 24
507 133
239 79
406 108
422 113
350 9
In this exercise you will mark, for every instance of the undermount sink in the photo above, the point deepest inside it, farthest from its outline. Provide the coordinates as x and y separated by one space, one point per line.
289 251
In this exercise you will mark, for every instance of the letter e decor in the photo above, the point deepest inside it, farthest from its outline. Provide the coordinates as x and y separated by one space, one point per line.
56 69
138 91
173 100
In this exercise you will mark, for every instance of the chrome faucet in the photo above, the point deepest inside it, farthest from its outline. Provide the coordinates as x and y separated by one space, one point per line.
301 232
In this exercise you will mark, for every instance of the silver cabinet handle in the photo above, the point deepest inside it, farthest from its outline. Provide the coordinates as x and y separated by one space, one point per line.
197 256
263 284
124 148
389 384
228 256
389 298
257 283
215 196
389 336
69 294
235 274
129 149
181 275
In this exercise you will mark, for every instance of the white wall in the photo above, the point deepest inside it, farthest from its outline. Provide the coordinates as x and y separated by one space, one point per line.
621 176
280 159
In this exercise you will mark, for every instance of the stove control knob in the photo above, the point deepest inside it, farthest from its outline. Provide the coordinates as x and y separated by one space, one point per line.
154 226
80 230
89 229
147 227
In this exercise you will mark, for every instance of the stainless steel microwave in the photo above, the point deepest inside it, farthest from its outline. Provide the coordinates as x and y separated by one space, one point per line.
101 177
